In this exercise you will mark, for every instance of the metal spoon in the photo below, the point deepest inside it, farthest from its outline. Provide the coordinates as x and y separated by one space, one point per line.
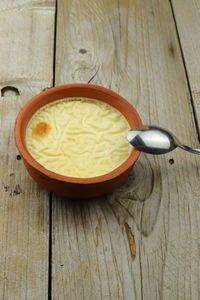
155 140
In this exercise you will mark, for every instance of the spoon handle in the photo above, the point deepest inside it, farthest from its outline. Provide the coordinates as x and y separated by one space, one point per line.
189 149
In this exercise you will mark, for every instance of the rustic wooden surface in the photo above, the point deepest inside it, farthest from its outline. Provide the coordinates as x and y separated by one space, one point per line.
26 64
141 241
188 33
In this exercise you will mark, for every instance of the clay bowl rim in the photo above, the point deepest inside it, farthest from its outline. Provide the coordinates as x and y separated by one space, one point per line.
20 140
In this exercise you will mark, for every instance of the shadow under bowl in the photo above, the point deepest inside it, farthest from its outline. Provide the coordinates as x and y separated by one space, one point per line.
69 186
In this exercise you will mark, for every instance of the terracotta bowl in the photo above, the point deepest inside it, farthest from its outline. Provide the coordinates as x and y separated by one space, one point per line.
69 186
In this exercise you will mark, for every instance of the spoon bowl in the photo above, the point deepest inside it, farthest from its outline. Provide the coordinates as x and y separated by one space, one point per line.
155 140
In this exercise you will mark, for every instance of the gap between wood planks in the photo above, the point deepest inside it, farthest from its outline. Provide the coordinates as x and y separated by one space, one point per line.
191 99
50 195
50 247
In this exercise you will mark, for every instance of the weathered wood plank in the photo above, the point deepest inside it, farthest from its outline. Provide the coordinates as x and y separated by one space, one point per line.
27 5
26 59
188 22
132 48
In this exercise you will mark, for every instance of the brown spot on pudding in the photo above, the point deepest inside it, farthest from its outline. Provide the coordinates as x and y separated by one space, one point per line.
41 129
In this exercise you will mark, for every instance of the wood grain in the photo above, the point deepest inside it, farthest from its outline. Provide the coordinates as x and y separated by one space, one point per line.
132 48
26 60
188 23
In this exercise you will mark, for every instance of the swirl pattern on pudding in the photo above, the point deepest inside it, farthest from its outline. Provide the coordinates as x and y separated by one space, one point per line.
78 137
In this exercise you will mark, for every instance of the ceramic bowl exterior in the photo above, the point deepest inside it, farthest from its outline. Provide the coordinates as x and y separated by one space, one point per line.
69 186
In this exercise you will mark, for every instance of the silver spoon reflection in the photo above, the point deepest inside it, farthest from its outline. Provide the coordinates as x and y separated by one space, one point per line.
155 140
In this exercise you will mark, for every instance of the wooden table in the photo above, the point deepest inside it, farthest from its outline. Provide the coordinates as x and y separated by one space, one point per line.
50 247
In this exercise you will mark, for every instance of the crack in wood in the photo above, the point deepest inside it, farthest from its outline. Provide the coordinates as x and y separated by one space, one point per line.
94 75
131 239
9 91
98 230
17 190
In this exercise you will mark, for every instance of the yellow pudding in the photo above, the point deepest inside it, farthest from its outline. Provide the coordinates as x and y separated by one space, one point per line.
78 137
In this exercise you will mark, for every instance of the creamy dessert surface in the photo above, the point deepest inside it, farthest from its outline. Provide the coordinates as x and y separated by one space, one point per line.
78 137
